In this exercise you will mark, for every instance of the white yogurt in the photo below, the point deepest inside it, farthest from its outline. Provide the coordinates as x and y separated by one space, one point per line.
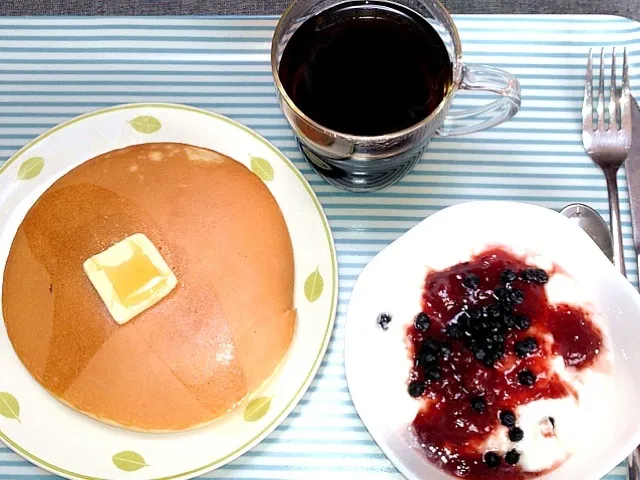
543 446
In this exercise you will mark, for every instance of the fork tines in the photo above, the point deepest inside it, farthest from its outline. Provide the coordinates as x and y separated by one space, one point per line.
619 106
608 145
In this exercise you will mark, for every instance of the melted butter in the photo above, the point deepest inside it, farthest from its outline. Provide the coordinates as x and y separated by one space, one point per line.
130 277
136 279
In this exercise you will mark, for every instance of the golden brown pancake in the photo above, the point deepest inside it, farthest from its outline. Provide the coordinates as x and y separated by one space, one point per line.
202 349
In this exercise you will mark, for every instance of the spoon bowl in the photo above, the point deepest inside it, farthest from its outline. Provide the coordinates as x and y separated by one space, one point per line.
593 224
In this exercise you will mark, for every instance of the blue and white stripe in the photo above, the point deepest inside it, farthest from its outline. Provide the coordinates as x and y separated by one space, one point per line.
53 69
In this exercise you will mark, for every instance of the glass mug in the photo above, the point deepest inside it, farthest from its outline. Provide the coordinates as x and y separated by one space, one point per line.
366 163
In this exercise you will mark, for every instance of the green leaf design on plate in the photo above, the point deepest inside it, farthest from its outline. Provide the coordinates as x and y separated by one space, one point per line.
30 168
262 168
146 124
313 286
129 461
9 406
257 408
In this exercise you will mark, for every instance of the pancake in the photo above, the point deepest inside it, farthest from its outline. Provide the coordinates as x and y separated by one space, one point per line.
197 353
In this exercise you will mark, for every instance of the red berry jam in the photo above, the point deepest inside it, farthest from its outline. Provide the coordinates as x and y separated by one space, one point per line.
492 336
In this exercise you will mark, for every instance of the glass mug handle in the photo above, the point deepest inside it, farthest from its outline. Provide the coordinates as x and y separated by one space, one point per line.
482 78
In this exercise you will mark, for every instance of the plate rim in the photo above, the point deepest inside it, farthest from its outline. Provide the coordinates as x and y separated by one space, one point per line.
270 427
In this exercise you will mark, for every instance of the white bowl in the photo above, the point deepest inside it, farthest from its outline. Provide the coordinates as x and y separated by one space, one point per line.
376 360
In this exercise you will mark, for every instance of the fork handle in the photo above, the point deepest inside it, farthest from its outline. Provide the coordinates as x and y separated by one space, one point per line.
611 176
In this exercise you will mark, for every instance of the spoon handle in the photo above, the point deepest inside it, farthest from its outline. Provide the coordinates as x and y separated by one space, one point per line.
616 225
633 465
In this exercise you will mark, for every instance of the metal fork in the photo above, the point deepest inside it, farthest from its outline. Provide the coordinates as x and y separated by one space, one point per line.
608 146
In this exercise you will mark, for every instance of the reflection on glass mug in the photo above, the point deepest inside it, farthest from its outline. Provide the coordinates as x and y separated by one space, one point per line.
366 84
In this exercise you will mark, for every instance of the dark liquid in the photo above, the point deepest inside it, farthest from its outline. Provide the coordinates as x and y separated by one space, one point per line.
366 68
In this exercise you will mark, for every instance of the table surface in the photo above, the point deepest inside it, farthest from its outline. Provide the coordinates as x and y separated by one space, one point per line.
627 8
535 158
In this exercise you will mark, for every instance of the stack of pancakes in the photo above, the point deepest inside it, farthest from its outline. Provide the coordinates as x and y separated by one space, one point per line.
201 350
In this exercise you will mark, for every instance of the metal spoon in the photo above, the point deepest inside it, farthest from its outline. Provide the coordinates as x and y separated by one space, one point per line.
593 224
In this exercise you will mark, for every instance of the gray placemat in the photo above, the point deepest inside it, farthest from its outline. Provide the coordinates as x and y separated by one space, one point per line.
627 8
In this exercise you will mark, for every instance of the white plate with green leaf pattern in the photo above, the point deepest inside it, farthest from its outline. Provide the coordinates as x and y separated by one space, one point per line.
72 445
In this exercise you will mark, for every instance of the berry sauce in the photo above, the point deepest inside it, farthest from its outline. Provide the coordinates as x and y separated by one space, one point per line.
488 349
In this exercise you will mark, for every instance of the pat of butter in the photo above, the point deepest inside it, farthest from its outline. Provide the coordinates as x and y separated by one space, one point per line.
130 277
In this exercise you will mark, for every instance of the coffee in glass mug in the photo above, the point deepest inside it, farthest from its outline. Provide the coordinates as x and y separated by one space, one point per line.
366 84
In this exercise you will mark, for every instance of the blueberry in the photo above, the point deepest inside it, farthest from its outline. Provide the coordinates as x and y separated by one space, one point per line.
416 389
464 321
489 361
430 345
422 322
516 296
497 351
516 434
506 309
445 351
508 276
492 459
383 321
527 378
493 311
471 281
501 294
494 354
486 338
509 321
521 322
497 338
487 351
454 330
479 404
478 326
534 275
480 354
507 418
475 313
526 347
493 325
427 358
428 353
432 373
512 457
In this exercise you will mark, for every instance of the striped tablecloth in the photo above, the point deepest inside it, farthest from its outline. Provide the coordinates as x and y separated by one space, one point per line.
52 69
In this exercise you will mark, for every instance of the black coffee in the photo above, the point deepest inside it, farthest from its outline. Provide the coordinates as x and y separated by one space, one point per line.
366 68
